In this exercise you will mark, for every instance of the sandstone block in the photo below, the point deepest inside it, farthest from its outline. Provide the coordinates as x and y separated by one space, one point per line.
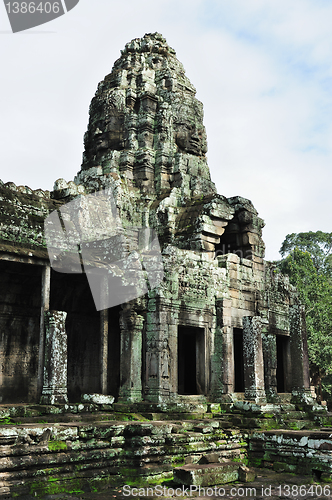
206 474
100 399
246 474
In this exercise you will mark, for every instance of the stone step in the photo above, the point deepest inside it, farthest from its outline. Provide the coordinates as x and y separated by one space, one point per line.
212 474
177 416
286 407
294 415
86 417
298 425
206 474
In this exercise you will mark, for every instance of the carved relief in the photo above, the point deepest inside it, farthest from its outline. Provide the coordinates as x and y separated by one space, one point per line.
158 361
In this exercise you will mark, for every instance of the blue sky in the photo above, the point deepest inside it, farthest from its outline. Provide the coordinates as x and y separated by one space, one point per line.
263 71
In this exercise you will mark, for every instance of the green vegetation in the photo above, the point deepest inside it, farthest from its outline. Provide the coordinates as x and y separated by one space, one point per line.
57 445
54 486
307 260
8 421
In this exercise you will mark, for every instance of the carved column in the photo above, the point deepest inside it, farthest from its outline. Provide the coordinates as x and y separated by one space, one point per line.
55 367
104 335
270 365
216 356
131 325
161 376
45 305
253 359
299 352
228 360
224 319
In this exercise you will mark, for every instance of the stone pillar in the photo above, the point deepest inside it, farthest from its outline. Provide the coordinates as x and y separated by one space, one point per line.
131 325
104 336
44 306
161 378
55 367
299 352
269 342
224 320
228 360
216 356
253 359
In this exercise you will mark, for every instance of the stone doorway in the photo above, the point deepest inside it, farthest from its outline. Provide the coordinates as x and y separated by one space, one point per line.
238 360
283 354
191 360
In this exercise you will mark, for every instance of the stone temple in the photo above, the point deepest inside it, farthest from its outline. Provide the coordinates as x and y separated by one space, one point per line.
220 326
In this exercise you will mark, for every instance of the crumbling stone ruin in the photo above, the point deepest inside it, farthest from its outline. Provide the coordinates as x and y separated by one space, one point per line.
220 326
221 330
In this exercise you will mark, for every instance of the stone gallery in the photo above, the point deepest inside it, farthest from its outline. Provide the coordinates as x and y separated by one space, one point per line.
219 324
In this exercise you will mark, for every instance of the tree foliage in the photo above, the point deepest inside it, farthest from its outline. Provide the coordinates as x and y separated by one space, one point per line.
308 265
318 244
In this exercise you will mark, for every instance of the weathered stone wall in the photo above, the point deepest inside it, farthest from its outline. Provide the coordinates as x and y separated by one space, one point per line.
50 458
20 305
145 156
22 219
300 452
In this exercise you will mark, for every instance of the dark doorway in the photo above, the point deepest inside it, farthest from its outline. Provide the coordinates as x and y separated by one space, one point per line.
282 365
238 360
191 360
20 302
71 293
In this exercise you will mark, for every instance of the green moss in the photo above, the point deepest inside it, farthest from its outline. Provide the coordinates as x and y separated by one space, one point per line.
144 481
8 421
57 445
178 460
54 486
130 417
255 462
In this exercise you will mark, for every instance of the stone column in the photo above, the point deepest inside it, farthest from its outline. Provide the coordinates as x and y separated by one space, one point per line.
161 357
131 325
55 367
104 336
253 359
299 352
224 321
216 356
44 306
228 360
269 342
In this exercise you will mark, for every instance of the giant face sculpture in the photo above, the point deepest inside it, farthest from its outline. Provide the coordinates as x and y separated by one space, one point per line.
148 106
190 135
106 129
108 133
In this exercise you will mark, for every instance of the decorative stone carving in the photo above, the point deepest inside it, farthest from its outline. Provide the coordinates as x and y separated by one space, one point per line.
147 106
146 144
55 367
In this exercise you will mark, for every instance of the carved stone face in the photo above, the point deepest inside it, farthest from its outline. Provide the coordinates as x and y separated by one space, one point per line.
191 138
108 134
190 135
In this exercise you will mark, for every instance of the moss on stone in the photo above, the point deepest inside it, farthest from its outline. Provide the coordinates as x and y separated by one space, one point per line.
54 486
57 445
